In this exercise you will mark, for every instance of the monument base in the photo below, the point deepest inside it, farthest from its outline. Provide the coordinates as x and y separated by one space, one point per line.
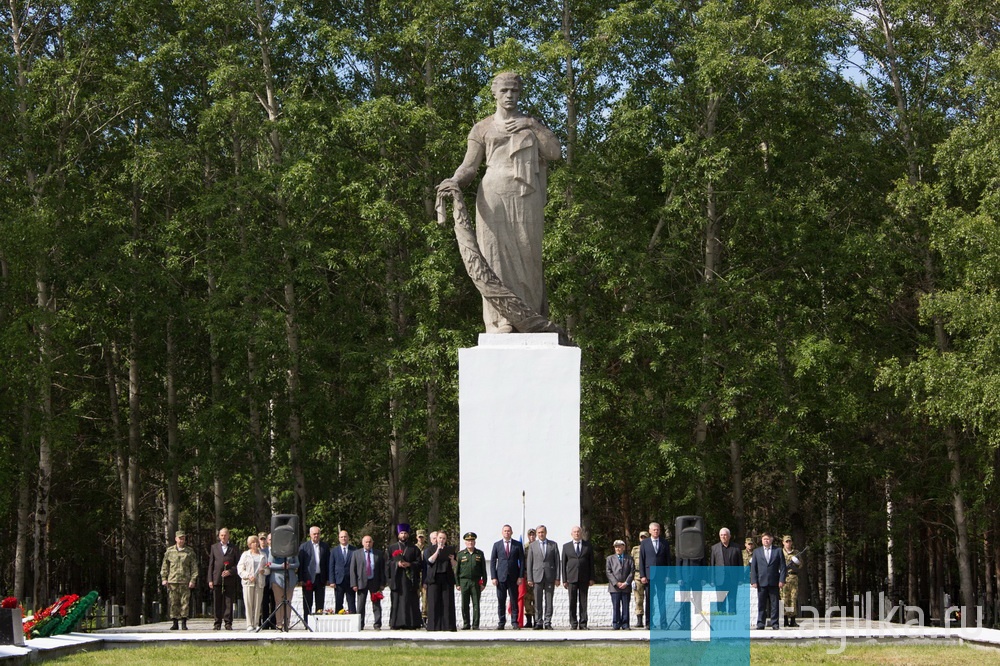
519 436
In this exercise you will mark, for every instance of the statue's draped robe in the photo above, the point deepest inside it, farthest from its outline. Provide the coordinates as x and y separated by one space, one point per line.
510 207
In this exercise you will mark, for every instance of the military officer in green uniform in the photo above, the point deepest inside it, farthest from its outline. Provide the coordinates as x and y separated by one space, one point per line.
179 573
471 577
790 592
640 589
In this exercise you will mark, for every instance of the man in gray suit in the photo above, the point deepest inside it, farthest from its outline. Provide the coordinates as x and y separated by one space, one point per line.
620 570
367 578
543 575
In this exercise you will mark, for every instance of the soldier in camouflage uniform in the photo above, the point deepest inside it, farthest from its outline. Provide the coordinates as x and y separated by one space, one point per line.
790 592
525 594
470 579
179 573
640 589
747 551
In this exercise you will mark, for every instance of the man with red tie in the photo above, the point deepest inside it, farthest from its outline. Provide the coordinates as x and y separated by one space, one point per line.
368 579
507 570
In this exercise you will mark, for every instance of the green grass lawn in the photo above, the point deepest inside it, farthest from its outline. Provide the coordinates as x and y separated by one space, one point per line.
519 655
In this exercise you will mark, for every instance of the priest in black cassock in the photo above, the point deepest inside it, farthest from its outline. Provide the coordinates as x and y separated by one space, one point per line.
440 582
404 581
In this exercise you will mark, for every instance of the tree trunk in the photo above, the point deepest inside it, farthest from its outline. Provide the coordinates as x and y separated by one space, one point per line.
739 508
23 505
830 598
292 374
44 486
133 543
433 434
173 438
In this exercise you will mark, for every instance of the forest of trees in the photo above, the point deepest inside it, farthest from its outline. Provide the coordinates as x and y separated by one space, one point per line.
774 235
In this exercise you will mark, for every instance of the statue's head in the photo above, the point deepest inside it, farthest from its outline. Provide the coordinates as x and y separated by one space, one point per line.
506 80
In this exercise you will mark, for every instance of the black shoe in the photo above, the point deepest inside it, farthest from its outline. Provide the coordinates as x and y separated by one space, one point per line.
638 621
572 627
216 627
774 626
760 626
792 622
499 627
465 627
515 626
174 626
583 627
184 624
538 626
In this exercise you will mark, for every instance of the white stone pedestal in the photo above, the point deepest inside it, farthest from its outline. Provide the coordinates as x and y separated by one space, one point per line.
519 436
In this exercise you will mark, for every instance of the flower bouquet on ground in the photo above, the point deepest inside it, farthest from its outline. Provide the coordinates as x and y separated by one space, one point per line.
377 596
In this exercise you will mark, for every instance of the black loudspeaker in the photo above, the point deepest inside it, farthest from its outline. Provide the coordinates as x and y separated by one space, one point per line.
689 537
284 535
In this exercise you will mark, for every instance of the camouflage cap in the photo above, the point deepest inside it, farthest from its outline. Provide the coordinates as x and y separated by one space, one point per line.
748 540
644 534
179 533
787 537
422 533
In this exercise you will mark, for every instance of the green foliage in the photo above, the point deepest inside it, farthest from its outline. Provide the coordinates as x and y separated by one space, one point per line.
146 183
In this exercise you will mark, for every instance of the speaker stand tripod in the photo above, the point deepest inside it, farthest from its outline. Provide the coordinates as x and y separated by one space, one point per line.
272 617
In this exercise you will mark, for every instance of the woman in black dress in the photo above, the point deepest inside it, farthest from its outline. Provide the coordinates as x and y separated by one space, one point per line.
440 581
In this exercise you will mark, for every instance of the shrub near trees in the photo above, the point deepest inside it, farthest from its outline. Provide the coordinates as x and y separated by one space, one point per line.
223 293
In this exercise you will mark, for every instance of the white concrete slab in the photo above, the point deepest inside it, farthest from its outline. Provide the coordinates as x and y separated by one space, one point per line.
519 436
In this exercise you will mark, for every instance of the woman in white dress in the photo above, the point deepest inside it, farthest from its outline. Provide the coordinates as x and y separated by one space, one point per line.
251 570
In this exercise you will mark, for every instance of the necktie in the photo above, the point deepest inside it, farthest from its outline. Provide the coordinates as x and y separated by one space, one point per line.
767 554
621 558
506 546
543 550
656 546
578 549
368 560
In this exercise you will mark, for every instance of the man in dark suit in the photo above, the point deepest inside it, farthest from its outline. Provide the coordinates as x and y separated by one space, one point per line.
314 568
654 552
340 573
767 576
725 554
222 578
368 578
578 576
507 570
543 575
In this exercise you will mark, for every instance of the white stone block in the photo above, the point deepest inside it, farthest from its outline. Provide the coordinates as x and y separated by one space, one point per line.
519 436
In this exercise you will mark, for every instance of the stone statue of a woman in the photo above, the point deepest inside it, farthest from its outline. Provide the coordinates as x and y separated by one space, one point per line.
510 204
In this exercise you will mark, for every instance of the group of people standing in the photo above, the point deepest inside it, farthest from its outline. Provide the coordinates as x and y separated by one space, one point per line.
422 578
